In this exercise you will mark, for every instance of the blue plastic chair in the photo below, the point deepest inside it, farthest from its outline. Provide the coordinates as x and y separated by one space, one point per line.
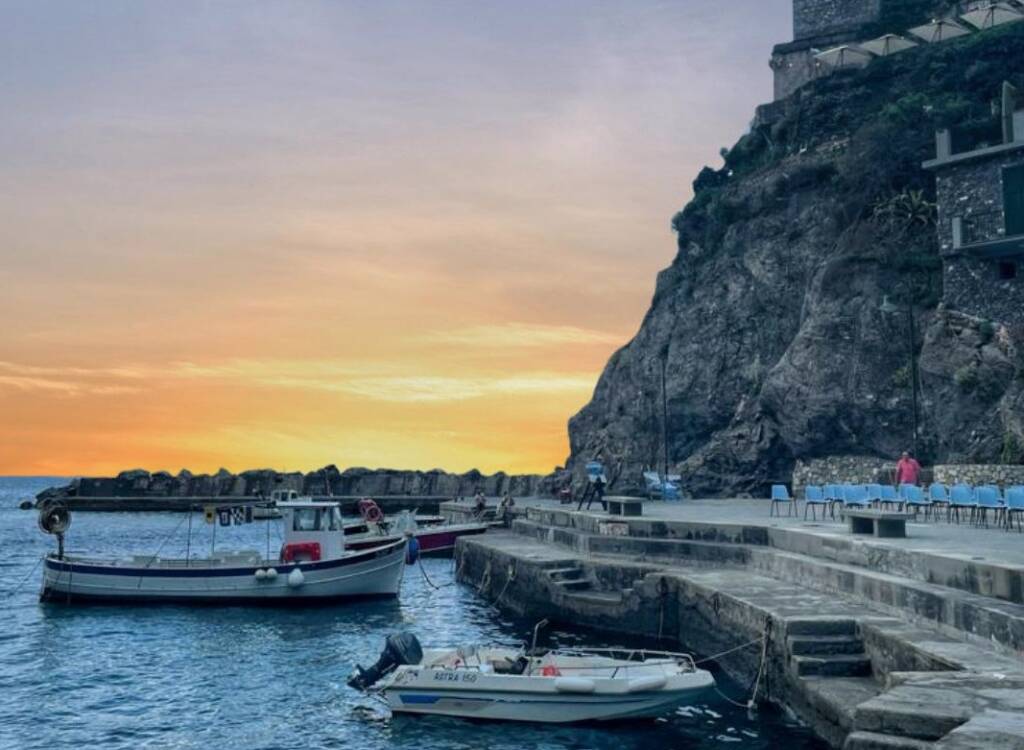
814 496
962 496
939 495
1014 506
890 496
913 498
781 495
989 498
855 496
834 496
874 493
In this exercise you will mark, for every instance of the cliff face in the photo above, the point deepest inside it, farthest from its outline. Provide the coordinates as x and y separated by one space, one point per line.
768 321
327 481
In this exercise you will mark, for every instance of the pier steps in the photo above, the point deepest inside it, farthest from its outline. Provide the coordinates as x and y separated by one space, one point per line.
818 645
875 741
955 610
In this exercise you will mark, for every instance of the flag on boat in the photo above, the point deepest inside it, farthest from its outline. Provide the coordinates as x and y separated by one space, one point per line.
241 514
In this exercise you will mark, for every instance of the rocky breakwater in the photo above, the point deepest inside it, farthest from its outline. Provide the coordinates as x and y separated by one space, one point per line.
766 341
140 489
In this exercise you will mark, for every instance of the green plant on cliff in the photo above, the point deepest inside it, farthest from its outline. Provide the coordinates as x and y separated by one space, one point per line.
966 377
907 209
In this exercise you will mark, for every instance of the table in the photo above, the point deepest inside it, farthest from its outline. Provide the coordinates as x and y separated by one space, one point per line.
880 523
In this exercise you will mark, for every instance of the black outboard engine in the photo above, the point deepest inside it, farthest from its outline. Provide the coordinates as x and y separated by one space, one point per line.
399 649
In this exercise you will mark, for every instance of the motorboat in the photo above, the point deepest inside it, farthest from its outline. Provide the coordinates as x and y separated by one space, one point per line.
557 686
432 534
313 566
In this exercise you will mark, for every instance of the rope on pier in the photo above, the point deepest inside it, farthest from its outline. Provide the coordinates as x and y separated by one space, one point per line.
455 578
763 640
23 581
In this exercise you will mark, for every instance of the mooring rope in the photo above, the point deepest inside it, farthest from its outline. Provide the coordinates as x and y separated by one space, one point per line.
24 580
763 640
436 586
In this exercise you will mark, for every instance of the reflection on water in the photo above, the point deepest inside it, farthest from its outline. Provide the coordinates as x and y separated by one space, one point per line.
178 677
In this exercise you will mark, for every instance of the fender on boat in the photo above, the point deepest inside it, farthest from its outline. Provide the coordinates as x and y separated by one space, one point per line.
644 684
574 685
295 578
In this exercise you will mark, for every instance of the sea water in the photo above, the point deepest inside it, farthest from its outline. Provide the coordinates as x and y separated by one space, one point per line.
260 678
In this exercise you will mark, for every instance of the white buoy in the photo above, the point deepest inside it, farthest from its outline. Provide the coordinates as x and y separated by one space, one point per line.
260 574
271 573
295 578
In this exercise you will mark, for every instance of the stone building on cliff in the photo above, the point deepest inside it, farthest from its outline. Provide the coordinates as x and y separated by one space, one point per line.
979 189
821 24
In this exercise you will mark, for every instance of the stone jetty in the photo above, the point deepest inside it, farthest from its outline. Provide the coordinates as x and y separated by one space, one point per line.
900 644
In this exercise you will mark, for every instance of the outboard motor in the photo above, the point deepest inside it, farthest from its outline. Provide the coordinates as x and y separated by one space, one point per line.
399 649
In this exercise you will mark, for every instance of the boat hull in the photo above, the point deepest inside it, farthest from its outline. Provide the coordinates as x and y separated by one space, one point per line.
372 573
546 705
433 540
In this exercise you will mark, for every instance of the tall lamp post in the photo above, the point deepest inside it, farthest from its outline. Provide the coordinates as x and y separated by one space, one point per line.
664 413
888 308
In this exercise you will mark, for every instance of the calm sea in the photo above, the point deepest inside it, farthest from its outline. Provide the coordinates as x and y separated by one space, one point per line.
219 679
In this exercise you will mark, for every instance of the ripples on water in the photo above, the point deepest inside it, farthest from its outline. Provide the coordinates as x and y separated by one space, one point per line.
178 677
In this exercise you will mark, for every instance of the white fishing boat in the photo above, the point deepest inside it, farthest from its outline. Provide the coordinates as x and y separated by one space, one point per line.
313 566
555 686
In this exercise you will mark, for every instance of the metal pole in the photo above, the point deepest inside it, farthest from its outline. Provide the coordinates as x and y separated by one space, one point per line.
664 415
913 373
188 544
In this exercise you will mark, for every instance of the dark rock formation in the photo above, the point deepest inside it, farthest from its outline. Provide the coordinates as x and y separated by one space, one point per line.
768 322
138 483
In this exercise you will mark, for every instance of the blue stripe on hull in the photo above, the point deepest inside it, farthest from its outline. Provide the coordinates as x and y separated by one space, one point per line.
62 597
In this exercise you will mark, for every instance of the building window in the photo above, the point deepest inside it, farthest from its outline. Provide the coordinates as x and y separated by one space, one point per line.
1007 270
1013 199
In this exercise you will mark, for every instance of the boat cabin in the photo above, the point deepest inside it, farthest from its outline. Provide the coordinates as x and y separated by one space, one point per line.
313 530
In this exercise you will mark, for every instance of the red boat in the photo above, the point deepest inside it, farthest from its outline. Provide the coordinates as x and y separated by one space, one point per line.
433 534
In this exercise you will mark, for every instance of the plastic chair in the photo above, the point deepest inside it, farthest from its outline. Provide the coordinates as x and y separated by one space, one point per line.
913 497
961 496
874 493
939 495
989 498
814 496
890 496
781 495
1014 506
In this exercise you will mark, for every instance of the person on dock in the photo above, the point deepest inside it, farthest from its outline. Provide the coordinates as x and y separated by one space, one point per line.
908 470
505 510
479 504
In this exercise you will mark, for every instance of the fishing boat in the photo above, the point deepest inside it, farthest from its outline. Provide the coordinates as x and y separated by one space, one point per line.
313 566
432 534
557 686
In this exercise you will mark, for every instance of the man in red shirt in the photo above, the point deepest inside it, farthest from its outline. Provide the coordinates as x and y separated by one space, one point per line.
907 470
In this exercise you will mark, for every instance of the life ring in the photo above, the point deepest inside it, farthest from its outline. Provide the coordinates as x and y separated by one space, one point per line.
370 511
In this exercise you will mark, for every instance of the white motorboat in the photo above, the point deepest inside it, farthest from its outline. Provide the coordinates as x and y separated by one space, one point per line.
313 566
554 686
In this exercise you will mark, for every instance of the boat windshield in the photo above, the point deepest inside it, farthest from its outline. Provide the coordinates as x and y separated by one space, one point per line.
316 519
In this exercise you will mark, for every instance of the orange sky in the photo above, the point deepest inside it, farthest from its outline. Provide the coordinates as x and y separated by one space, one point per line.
290 234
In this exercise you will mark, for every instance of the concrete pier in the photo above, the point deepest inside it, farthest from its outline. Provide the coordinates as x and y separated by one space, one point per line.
875 643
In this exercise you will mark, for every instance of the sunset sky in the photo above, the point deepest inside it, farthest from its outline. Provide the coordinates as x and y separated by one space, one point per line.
286 234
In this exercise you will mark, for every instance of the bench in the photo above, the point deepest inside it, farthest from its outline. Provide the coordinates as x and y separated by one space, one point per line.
880 523
624 506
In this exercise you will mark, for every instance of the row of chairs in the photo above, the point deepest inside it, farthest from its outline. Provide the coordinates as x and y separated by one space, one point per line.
956 500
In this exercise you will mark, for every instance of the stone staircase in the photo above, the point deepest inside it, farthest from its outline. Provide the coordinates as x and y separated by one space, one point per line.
574 581
826 648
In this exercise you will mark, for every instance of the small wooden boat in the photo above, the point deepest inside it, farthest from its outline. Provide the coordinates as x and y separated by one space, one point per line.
549 686
313 566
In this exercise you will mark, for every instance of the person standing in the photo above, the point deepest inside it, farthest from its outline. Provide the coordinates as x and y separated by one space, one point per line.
908 470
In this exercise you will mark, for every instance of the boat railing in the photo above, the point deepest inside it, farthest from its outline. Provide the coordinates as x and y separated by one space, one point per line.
639 657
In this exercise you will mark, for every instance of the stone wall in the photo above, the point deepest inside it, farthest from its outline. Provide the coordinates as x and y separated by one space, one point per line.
975 474
842 470
815 17
972 191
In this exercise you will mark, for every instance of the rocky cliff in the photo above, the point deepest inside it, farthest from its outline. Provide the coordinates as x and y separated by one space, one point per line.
767 325
329 480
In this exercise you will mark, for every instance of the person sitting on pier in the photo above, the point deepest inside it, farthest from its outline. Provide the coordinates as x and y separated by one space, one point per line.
908 470
505 510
